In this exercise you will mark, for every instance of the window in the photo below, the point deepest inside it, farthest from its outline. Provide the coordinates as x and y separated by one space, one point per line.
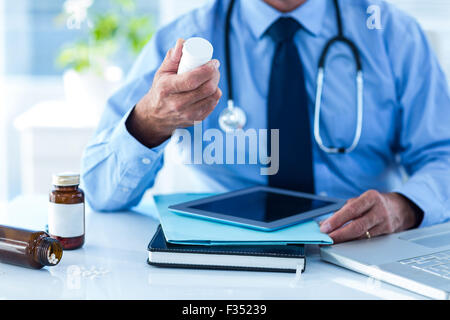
35 32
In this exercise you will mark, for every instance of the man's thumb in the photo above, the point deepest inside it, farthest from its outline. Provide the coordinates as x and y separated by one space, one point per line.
173 57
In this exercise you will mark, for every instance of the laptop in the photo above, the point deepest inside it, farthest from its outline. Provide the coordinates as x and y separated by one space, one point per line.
417 260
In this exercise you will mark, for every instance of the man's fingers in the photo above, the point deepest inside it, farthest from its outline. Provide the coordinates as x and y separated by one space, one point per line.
351 210
201 109
172 59
357 228
206 90
378 230
193 79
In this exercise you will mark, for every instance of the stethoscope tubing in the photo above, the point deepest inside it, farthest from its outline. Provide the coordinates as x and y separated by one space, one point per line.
359 120
320 83
230 101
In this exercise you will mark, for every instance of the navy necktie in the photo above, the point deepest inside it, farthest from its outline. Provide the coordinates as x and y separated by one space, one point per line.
288 111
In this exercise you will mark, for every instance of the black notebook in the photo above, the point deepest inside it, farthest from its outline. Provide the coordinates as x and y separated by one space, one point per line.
274 258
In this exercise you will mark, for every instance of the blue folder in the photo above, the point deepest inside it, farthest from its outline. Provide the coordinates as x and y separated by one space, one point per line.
182 229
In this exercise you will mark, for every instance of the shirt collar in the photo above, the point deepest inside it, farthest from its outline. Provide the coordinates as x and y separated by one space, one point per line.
260 16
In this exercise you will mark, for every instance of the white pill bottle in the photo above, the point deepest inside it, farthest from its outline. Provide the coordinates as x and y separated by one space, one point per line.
196 52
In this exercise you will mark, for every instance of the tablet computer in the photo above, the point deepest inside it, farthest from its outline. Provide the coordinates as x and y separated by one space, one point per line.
262 208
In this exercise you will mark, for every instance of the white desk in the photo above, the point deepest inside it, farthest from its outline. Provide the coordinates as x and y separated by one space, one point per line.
112 265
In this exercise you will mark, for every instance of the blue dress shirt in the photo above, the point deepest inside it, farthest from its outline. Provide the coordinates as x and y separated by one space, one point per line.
405 141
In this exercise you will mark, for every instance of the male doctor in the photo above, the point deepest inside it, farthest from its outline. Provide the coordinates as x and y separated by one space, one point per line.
398 176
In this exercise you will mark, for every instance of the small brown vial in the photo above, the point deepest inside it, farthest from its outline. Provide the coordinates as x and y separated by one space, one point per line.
66 211
31 249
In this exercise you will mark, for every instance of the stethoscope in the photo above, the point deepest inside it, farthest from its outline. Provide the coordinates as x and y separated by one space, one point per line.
233 117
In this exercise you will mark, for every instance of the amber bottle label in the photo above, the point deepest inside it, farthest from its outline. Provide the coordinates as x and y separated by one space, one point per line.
66 220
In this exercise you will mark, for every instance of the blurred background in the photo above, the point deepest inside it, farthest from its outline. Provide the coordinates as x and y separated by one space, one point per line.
61 59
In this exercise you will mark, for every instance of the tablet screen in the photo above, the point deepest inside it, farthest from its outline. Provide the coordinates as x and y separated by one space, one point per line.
262 206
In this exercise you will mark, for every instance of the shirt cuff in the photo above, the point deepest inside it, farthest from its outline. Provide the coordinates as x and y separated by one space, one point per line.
423 196
135 160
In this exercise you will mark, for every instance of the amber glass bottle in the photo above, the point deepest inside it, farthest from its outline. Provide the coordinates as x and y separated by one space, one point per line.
31 249
66 211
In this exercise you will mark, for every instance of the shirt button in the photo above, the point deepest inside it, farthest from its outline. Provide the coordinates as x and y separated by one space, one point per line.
323 194
146 161
125 190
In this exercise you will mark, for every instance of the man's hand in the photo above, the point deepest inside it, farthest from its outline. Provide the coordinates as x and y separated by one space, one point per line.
175 101
377 213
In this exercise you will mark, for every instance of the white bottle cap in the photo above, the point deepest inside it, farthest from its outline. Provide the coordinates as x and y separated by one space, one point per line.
196 52
66 179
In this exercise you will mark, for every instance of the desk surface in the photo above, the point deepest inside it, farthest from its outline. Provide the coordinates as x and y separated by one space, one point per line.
112 265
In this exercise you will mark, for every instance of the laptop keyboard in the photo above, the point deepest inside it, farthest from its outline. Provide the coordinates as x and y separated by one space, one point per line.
437 263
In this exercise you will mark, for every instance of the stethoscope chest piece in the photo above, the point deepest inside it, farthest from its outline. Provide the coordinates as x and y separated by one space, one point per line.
232 118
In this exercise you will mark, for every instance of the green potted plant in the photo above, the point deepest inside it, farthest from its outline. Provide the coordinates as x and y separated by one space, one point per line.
94 62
